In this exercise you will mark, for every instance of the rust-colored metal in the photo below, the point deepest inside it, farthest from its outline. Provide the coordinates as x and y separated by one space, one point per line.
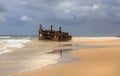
53 35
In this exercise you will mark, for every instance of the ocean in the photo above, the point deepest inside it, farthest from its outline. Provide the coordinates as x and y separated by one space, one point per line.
23 53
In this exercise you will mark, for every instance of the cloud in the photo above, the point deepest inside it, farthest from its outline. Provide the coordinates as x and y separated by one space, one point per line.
25 18
23 2
2 17
95 6
85 16
2 8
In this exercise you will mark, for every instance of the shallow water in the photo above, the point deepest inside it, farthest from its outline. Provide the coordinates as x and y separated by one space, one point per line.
18 54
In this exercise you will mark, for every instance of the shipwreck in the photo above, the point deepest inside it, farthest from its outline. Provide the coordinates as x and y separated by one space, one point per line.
53 35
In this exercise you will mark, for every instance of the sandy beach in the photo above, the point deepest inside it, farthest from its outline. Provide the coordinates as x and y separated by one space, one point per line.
103 61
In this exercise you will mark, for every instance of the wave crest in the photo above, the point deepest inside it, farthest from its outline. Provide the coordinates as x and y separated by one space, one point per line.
7 45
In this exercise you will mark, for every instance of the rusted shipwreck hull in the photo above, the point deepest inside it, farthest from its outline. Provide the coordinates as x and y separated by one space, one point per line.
53 35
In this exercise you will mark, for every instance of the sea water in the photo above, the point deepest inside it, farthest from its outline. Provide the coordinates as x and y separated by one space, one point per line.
24 53
7 43
14 59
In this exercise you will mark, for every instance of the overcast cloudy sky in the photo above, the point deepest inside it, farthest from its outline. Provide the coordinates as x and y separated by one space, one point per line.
79 17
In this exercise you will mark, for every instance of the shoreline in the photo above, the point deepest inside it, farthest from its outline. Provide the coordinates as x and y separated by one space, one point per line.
94 61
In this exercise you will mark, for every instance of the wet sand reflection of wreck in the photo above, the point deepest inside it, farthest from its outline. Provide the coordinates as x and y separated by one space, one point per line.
53 35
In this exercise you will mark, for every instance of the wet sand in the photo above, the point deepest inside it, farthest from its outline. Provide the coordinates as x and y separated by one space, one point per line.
93 61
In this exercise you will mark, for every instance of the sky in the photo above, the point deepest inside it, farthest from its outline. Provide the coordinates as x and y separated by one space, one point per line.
78 17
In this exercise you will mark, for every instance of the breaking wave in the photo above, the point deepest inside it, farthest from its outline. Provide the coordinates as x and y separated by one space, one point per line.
8 43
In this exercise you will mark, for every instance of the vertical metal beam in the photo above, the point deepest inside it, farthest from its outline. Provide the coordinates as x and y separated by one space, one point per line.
51 27
40 27
60 29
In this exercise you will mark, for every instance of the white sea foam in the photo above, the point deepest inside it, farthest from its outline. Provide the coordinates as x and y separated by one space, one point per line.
7 45
42 61
5 37
35 56
15 43
4 51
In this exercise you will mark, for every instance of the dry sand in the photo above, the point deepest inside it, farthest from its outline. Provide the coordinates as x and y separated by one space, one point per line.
93 61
